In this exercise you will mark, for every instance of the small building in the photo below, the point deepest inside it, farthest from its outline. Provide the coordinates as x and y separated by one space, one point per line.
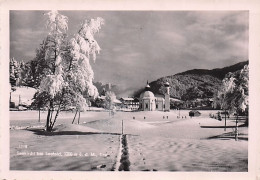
129 103
135 105
194 113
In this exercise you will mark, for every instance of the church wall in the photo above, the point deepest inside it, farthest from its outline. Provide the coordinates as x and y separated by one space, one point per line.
148 105
152 105
167 102
159 106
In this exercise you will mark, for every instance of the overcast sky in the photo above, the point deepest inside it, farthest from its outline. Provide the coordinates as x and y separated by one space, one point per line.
145 45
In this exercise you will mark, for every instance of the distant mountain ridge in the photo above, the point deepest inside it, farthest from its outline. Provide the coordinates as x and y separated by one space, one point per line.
217 72
193 84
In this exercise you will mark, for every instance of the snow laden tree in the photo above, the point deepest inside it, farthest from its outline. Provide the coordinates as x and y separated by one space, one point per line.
13 72
39 65
66 70
82 48
17 72
233 94
221 96
109 101
52 84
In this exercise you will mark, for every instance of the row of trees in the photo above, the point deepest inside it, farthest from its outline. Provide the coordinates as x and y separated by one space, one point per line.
61 70
18 72
233 94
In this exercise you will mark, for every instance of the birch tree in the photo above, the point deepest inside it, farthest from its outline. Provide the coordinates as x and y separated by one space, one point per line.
53 82
82 48
67 72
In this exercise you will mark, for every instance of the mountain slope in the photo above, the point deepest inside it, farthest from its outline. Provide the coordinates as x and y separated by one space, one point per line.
218 72
193 84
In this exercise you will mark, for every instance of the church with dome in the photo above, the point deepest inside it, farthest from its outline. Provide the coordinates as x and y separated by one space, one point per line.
149 102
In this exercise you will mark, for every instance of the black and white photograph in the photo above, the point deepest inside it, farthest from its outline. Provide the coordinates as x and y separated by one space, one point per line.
148 91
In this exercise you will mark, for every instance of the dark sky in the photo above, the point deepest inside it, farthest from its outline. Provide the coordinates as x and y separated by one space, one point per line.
145 45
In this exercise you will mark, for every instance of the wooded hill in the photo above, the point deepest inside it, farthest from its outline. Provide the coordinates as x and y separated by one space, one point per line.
193 84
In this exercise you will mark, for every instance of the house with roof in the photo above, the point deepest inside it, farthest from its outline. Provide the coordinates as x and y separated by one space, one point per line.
194 113
130 103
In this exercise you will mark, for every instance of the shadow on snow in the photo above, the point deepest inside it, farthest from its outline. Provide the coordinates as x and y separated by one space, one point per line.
58 133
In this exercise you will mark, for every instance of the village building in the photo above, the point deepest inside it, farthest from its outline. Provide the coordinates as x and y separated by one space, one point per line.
149 102
130 103
194 113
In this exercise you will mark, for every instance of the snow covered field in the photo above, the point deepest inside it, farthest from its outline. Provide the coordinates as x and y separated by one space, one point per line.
156 141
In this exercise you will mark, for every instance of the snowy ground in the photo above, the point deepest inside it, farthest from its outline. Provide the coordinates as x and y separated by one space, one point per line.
156 141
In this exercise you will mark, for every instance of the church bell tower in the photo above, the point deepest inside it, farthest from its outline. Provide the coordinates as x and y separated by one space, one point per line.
167 97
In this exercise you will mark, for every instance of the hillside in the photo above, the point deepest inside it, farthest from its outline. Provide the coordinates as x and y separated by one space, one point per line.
193 84
218 72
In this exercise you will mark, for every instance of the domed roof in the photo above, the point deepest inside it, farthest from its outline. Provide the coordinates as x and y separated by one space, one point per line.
167 84
147 87
147 95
